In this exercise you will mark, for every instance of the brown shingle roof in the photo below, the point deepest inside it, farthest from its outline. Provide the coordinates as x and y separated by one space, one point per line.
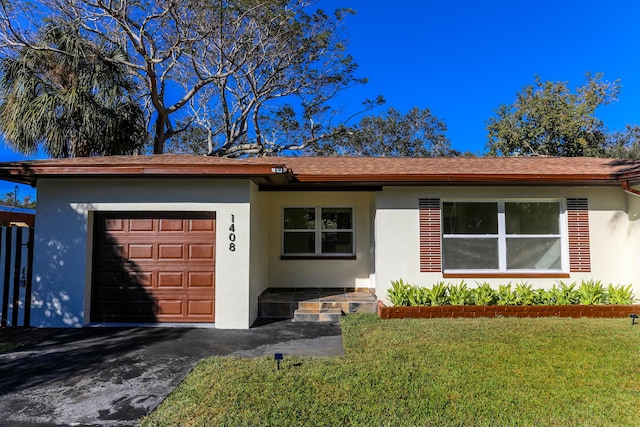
456 169
340 170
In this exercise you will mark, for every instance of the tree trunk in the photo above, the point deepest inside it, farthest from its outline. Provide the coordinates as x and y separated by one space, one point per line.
159 137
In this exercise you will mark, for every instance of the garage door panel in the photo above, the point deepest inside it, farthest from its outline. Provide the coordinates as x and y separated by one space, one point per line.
124 293
170 251
172 225
120 300
185 311
111 251
168 279
113 225
142 278
111 273
200 307
142 305
127 311
111 307
141 251
137 225
154 267
200 279
170 307
201 251
110 279
202 225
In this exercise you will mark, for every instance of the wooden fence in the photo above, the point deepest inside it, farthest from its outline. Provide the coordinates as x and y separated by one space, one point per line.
16 255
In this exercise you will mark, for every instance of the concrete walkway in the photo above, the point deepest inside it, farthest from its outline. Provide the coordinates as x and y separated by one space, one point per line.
115 376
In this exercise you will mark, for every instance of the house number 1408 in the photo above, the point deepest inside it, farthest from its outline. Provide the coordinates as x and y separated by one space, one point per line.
232 235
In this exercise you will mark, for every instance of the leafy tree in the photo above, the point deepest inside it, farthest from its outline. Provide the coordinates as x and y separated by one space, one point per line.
194 139
418 133
548 119
624 144
70 100
235 67
12 199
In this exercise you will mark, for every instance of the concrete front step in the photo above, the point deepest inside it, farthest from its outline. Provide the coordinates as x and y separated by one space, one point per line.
331 315
283 302
345 306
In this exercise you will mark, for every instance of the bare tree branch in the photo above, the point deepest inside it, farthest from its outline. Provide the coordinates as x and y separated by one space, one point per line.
260 74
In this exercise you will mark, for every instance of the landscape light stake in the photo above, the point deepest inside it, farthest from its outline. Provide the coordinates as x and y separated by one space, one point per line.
278 357
633 318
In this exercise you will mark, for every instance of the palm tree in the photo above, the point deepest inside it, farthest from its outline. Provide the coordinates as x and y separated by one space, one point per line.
69 102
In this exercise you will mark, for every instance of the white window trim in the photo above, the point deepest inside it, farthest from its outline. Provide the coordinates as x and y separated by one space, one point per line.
318 232
502 236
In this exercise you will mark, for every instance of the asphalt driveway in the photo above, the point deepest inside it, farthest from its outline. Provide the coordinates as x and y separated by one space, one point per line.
114 376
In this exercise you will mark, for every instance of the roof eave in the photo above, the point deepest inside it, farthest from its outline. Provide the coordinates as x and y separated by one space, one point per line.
25 173
470 179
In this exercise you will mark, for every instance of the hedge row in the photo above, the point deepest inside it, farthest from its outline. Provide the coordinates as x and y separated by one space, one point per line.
588 293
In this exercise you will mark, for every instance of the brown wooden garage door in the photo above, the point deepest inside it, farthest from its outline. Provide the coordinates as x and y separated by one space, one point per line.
154 267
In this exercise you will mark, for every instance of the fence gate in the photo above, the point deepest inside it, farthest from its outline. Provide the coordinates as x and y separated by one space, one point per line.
16 255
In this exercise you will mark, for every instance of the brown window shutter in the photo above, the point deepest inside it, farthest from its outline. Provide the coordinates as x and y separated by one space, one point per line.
579 249
430 246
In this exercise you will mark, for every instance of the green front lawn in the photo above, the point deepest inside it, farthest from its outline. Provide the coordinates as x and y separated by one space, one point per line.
440 372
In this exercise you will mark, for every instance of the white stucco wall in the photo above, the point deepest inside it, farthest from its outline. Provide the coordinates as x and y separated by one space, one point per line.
347 273
62 255
259 271
614 238
633 237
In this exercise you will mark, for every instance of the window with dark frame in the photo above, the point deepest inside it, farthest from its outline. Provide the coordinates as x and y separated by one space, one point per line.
317 231
501 236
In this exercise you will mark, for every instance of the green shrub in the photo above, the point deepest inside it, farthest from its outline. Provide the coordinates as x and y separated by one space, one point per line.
592 292
438 294
551 296
483 294
505 295
459 294
620 294
525 295
399 293
589 293
546 296
418 296
567 294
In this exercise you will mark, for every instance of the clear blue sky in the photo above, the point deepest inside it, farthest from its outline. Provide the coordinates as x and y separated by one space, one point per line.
462 59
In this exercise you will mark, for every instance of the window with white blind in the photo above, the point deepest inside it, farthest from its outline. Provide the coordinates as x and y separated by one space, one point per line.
502 236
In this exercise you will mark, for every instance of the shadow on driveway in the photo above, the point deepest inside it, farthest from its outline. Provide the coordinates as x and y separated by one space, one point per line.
114 376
